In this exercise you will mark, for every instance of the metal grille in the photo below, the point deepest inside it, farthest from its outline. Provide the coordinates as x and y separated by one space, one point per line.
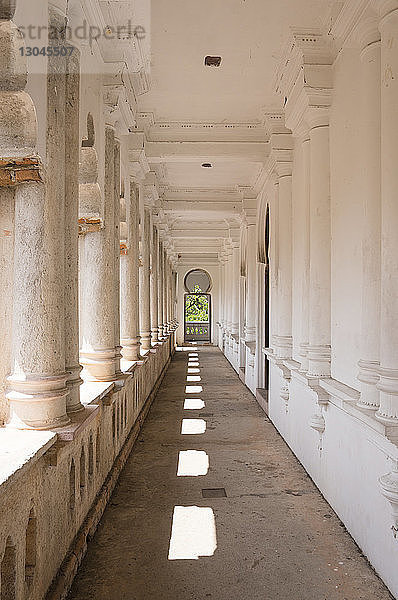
198 331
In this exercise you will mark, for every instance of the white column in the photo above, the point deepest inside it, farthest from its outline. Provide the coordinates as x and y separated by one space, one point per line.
222 294
304 242
160 292
251 279
145 296
165 294
98 353
129 280
388 384
72 149
116 182
154 287
37 385
228 306
235 289
319 349
274 260
283 339
371 229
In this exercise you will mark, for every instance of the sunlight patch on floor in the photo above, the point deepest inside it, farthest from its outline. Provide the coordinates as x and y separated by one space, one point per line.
192 463
193 404
193 389
194 378
193 426
193 370
193 364
193 533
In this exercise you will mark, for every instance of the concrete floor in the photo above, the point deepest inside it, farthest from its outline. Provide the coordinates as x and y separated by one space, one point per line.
277 538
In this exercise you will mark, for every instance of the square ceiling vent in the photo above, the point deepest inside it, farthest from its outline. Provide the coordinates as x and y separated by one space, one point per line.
213 61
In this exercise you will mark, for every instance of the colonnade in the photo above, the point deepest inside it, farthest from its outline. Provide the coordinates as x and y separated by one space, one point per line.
303 129
93 280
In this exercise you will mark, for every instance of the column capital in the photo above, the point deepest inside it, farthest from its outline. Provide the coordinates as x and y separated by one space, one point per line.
305 80
281 142
139 166
385 7
249 211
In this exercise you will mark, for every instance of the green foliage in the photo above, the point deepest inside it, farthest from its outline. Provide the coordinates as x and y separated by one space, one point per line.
197 308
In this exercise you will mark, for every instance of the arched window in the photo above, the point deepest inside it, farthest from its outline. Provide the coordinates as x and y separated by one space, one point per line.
30 550
197 306
8 572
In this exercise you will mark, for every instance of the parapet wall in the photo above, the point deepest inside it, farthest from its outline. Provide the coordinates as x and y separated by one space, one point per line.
53 494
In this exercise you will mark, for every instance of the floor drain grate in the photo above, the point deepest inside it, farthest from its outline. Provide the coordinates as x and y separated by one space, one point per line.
214 493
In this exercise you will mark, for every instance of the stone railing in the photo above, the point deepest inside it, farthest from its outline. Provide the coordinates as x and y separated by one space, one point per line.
54 486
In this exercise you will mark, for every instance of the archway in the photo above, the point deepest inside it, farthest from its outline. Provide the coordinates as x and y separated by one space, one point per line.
197 306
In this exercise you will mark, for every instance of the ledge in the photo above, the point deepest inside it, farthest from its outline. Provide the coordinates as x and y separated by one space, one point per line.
19 449
93 391
251 346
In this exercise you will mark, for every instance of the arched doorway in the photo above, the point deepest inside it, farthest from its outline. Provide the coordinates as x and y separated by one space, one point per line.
197 306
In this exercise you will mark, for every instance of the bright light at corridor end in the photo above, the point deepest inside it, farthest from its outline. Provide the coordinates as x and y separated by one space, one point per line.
193 533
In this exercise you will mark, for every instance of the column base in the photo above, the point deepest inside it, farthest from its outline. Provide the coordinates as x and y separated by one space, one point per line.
303 357
99 365
388 387
131 349
146 340
38 401
155 335
369 377
283 346
73 404
319 360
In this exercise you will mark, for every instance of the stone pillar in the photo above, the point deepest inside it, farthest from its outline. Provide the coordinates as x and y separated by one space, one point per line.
37 385
388 385
117 188
235 289
251 278
98 354
169 295
370 336
72 149
222 294
284 340
319 349
305 249
145 300
165 295
281 157
230 289
129 280
274 260
160 292
154 287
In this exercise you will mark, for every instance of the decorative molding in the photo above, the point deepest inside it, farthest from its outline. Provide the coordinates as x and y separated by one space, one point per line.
304 80
389 489
317 422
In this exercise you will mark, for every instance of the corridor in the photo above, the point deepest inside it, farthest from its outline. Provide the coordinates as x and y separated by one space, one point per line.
270 536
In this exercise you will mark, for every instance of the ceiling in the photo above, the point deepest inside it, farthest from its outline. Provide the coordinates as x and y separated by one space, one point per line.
201 114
